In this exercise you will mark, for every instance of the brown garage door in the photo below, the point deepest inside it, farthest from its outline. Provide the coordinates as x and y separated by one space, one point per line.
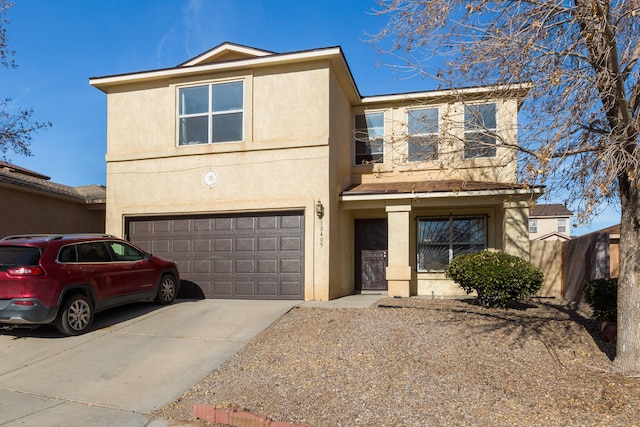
253 256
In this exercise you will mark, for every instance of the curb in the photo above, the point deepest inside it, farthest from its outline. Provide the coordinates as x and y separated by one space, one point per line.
234 418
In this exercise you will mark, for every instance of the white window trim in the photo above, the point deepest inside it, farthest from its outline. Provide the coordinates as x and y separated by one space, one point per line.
436 134
384 139
464 131
210 114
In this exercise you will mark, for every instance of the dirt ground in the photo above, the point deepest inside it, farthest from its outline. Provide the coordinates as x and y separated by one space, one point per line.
419 362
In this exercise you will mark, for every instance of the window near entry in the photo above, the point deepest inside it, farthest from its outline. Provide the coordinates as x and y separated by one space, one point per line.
210 113
422 130
533 226
369 138
441 239
479 130
562 225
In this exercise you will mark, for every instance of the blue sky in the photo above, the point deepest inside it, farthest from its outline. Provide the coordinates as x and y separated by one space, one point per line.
61 44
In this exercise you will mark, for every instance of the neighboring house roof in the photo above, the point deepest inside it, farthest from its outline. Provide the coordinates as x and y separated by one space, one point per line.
554 236
24 178
614 229
550 210
426 187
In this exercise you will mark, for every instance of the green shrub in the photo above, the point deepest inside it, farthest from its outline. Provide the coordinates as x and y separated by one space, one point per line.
602 296
497 277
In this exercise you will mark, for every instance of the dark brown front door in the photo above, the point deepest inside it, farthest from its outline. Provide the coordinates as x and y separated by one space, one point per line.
374 266
371 254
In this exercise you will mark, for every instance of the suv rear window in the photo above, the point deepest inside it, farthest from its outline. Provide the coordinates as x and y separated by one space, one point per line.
18 256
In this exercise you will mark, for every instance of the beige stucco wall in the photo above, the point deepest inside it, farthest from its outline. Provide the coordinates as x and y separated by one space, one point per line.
282 164
24 211
341 225
450 163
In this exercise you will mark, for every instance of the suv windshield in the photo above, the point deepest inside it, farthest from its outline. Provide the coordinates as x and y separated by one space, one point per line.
18 256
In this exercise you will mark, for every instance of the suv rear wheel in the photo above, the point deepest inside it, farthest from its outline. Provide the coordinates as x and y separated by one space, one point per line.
167 289
76 316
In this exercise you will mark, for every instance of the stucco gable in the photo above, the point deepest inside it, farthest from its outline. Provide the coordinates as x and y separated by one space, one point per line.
226 52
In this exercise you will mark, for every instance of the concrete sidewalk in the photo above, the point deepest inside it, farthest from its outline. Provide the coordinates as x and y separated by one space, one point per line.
364 300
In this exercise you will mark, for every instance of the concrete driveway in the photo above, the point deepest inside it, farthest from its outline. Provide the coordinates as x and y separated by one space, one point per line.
136 359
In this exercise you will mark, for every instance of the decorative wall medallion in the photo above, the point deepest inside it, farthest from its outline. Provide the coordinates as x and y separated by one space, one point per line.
210 179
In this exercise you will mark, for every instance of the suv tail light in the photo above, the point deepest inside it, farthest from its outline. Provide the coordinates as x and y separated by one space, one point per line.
26 271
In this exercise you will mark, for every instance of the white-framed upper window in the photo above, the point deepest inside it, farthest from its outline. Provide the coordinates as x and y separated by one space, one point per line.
480 126
210 113
533 225
369 138
422 134
562 225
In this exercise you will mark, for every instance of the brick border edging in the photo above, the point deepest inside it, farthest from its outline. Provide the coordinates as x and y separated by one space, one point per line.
234 418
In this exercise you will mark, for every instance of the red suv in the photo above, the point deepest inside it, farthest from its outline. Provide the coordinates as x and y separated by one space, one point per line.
65 279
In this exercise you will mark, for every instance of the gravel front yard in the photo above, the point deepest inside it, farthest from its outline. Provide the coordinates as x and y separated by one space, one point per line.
419 362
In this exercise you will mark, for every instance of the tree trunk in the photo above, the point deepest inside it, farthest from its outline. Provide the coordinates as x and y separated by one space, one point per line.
627 361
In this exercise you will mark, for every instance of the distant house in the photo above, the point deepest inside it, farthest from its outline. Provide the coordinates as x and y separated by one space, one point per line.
550 222
31 203
269 176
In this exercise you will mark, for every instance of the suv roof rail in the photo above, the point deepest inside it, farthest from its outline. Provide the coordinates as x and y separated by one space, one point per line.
23 236
50 237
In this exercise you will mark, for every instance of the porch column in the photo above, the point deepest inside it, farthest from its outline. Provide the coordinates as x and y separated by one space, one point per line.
515 226
399 267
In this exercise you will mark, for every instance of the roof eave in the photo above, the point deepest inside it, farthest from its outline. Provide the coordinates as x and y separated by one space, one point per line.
333 54
439 195
517 90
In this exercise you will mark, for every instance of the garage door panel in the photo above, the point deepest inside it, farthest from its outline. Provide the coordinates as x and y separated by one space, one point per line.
221 224
244 256
268 244
245 244
290 266
202 245
245 288
245 266
290 243
267 266
221 288
223 245
268 223
222 266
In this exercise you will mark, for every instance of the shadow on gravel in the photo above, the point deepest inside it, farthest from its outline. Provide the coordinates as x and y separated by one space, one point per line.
526 320
590 325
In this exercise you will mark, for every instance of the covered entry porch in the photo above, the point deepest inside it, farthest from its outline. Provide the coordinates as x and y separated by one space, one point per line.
429 222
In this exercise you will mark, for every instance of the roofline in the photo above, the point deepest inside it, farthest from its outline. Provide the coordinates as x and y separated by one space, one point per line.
232 46
328 53
520 88
437 195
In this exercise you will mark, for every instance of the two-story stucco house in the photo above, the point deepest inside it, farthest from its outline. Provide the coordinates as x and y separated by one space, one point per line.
269 176
550 222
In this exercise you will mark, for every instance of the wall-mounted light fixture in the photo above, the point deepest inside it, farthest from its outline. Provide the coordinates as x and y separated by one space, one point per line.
319 209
